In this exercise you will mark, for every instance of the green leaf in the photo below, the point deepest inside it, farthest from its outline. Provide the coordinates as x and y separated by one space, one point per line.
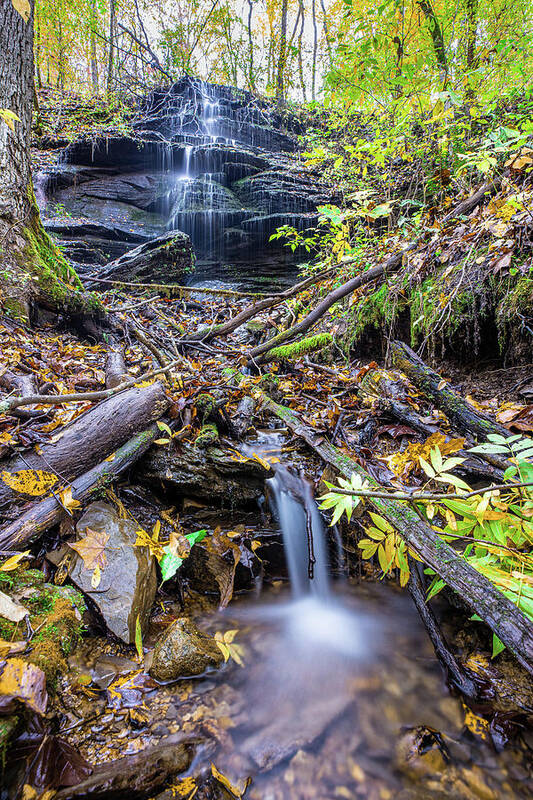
497 646
435 588
139 639
197 536
169 564
164 427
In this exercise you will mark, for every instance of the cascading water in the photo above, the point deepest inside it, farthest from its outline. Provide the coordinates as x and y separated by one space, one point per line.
303 536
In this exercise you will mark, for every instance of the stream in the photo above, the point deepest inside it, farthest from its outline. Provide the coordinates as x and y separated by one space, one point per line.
337 693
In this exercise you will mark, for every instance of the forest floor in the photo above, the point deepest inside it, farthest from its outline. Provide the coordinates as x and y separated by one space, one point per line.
100 700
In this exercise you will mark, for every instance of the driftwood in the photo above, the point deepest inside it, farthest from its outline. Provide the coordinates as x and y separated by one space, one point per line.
92 436
136 776
243 415
48 512
505 619
457 409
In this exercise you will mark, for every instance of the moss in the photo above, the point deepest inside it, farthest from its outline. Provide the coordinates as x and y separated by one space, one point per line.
208 435
8 727
55 615
515 305
205 404
296 349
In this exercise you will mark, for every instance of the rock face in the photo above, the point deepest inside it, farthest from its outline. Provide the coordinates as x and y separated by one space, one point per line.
183 651
204 473
166 259
128 581
214 162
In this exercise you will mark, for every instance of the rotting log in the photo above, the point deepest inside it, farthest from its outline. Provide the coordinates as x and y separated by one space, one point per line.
243 415
48 512
460 413
92 436
137 776
502 616
487 190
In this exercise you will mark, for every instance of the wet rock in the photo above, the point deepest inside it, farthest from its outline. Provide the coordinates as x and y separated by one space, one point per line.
182 651
128 581
210 473
421 752
165 259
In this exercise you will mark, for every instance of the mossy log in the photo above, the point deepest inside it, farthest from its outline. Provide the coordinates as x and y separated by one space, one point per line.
296 349
48 512
93 435
505 619
457 409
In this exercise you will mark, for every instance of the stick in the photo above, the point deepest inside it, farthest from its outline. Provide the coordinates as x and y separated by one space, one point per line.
175 287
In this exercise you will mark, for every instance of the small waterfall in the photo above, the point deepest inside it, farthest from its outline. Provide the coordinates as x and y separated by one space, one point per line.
303 535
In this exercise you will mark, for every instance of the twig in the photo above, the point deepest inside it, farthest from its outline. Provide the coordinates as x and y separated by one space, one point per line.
414 498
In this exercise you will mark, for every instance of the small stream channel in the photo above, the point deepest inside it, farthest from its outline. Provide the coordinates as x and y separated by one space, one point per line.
339 694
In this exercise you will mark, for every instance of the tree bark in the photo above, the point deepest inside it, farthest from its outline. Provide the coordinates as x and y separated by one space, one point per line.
92 436
282 59
41 516
93 19
31 266
111 54
437 38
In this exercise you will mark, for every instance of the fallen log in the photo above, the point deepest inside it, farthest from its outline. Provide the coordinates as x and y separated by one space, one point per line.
205 334
136 776
92 436
456 408
499 613
487 190
257 354
115 368
48 512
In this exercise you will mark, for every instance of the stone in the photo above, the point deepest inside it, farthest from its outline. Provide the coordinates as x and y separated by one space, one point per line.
209 473
166 259
184 651
128 580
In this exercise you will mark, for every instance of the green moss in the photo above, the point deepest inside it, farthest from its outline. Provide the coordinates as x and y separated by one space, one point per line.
205 404
297 349
208 435
514 300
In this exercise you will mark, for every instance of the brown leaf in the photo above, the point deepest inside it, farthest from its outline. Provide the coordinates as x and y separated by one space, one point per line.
22 683
92 548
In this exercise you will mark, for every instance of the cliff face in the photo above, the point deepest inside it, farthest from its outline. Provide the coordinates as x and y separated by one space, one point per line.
211 161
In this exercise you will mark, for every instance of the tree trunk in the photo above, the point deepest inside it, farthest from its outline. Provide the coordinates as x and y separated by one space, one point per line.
282 60
251 78
315 47
93 18
111 54
436 37
30 264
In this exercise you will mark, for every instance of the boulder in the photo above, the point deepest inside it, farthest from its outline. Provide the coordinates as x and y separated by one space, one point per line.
128 580
184 651
166 259
210 473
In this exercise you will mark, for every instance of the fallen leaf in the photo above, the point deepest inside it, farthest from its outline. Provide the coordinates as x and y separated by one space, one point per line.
24 683
11 610
67 500
92 548
14 561
233 790
34 482
24 9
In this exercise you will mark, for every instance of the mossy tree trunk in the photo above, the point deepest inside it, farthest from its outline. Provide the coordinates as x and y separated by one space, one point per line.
30 265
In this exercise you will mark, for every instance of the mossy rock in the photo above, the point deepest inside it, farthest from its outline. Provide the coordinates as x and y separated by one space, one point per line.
55 614
207 436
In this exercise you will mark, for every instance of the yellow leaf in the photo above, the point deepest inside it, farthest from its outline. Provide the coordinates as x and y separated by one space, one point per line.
68 501
92 548
24 9
96 577
14 561
111 457
224 649
233 790
9 118
34 482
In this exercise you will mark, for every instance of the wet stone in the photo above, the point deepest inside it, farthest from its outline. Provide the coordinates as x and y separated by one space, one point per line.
184 651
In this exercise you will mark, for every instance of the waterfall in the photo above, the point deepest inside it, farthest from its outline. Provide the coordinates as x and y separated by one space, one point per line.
303 535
